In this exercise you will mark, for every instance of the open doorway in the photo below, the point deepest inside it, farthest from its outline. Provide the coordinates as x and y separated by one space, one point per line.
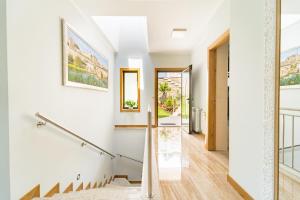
168 92
218 95
169 99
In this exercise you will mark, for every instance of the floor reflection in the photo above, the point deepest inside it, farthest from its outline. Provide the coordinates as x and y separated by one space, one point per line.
289 186
187 170
170 157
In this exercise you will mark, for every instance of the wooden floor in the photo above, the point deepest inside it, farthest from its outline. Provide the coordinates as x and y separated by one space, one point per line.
289 189
188 171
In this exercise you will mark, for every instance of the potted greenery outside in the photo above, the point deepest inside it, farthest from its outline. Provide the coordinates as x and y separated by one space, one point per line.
131 104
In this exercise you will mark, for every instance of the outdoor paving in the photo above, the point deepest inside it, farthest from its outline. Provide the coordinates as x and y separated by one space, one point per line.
171 121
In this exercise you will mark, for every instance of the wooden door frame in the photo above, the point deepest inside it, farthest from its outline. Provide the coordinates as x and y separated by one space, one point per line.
277 99
156 70
212 65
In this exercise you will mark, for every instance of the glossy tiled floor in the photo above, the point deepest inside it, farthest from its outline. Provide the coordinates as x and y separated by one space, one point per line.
289 189
187 170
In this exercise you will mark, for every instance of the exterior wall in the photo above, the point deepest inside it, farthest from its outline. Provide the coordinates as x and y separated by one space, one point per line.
45 155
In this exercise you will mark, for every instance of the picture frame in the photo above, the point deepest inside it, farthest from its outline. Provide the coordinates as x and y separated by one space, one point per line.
290 69
83 66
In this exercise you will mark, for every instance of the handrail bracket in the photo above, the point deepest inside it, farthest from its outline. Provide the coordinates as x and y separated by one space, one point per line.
40 124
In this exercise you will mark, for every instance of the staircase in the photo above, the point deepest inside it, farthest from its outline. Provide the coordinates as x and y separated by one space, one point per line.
119 188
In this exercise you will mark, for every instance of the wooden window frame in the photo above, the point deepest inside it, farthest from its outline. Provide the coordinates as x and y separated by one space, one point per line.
122 92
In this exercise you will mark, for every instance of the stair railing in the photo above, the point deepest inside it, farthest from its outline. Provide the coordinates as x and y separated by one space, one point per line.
286 113
129 158
46 120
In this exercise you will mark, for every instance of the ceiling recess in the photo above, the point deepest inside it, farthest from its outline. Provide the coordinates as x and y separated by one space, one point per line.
179 33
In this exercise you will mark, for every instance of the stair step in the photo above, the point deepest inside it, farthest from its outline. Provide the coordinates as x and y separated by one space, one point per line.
129 188
110 192
121 181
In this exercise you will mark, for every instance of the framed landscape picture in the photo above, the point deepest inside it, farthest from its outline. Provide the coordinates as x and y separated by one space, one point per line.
290 69
83 66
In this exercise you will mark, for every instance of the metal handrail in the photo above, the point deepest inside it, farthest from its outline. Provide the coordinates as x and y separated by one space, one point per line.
293 116
129 158
85 142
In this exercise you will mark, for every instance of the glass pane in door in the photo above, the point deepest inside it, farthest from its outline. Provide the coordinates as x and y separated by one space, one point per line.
185 98
186 107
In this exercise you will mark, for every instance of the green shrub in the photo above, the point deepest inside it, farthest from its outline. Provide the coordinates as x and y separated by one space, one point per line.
170 104
293 79
130 103
164 88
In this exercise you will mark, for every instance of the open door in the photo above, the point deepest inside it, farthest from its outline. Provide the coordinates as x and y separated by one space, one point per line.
186 99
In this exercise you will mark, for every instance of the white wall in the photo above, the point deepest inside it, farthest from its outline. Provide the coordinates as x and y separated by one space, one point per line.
129 143
4 136
246 127
218 24
146 90
44 155
170 60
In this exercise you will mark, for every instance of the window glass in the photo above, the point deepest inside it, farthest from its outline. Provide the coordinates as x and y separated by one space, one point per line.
130 90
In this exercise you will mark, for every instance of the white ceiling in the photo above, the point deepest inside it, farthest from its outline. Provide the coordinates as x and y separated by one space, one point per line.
162 16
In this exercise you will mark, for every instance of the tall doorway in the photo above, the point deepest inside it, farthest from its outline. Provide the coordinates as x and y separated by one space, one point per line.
218 94
169 104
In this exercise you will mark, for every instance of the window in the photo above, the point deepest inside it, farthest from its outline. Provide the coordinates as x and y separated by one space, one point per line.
130 90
